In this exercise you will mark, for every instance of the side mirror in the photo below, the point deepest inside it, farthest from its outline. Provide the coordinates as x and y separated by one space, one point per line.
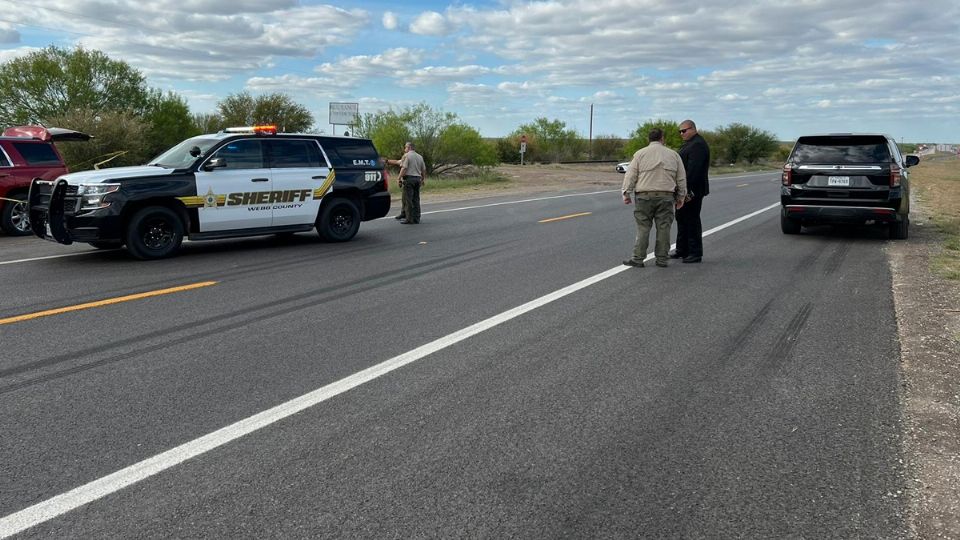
215 163
912 160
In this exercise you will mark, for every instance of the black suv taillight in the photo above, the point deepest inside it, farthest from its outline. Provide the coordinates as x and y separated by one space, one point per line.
787 177
895 174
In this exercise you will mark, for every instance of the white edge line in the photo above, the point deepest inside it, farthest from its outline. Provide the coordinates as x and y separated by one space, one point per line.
52 257
87 493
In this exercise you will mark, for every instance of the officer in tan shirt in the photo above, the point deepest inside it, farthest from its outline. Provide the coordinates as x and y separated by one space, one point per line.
413 174
656 183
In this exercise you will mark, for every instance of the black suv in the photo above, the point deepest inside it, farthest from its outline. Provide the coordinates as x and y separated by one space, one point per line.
239 182
846 178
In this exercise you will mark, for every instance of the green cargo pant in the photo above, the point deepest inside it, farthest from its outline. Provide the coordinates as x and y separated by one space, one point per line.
411 198
653 207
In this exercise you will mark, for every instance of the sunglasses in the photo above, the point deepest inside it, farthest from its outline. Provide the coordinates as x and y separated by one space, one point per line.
682 131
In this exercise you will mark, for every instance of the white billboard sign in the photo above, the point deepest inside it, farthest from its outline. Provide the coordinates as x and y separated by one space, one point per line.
344 114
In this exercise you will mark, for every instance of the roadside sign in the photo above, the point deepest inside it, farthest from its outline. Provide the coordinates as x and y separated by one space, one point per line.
344 114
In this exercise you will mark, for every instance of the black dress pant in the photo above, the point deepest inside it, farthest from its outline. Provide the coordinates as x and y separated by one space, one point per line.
689 229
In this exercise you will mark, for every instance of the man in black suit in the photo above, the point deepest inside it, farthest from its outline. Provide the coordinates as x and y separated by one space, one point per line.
696 161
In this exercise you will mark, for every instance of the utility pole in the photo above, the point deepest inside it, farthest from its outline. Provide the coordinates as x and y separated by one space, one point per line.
590 151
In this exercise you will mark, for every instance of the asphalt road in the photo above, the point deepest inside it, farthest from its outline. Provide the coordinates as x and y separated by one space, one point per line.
752 395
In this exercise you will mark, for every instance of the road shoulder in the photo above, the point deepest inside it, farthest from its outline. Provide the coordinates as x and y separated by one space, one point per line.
928 318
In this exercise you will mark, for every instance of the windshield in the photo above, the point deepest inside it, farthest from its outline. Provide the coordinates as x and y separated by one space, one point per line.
184 154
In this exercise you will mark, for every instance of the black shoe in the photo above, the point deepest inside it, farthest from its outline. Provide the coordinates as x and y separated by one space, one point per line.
675 255
398 218
631 262
691 259
661 264
406 222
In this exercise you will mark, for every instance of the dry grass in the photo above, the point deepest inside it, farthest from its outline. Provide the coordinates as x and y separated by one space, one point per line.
937 182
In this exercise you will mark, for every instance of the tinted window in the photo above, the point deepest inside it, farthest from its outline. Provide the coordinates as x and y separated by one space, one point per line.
347 151
37 154
294 153
841 150
242 154
4 161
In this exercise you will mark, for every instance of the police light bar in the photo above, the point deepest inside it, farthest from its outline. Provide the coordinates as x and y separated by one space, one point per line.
259 130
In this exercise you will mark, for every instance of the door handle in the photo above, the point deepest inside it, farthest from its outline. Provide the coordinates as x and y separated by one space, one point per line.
318 177
260 180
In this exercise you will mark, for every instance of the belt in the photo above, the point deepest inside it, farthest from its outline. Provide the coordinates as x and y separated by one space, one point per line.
655 193
410 176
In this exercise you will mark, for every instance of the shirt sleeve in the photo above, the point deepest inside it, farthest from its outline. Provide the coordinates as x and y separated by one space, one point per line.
681 180
630 177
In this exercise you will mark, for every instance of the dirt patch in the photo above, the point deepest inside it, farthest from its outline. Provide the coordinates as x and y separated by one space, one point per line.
928 317
536 179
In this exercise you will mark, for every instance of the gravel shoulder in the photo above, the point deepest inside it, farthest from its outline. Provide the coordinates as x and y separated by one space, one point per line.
928 317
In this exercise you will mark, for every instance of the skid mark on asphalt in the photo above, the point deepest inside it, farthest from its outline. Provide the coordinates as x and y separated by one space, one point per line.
787 341
746 333
836 259
289 305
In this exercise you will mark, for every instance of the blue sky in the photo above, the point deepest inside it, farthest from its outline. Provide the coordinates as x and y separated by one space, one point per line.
788 67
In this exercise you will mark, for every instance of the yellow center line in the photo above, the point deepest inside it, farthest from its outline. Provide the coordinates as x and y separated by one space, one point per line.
107 302
742 185
564 217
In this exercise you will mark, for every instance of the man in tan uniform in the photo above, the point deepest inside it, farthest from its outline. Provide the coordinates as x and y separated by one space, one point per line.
413 174
656 183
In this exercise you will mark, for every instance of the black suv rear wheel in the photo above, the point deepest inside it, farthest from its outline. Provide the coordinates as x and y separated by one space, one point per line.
788 225
900 229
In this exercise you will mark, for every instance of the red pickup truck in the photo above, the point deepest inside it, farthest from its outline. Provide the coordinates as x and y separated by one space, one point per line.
28 152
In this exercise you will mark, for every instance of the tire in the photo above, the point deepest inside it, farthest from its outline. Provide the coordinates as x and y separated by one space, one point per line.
154 232
899 230
106 245
788 225
14 219
339 221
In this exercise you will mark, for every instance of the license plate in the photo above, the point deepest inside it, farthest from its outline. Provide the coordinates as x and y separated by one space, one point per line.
843 181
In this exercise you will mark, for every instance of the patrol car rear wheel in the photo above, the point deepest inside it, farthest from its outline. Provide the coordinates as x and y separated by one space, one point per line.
13 219
339 221
154 232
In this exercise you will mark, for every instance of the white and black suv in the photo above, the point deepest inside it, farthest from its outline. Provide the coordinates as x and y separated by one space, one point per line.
239 182
846 178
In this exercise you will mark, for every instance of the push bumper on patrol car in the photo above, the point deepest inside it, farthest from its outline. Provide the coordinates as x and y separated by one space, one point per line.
55 215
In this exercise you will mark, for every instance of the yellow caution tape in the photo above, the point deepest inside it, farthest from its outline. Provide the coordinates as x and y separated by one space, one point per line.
11 200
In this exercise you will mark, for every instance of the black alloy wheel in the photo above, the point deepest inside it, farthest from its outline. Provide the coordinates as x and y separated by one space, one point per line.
339 221
154 232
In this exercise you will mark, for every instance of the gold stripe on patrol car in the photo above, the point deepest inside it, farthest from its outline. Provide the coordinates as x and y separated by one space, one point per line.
322 190
197 202
191 202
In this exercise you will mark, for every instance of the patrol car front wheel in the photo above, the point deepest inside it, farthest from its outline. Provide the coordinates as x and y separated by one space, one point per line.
339 221
154 232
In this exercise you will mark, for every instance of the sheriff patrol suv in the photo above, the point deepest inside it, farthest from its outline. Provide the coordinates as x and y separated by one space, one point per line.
239 182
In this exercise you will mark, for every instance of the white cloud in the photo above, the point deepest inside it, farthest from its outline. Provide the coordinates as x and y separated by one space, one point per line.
11 54
391 63
390 20
431 23
8 33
